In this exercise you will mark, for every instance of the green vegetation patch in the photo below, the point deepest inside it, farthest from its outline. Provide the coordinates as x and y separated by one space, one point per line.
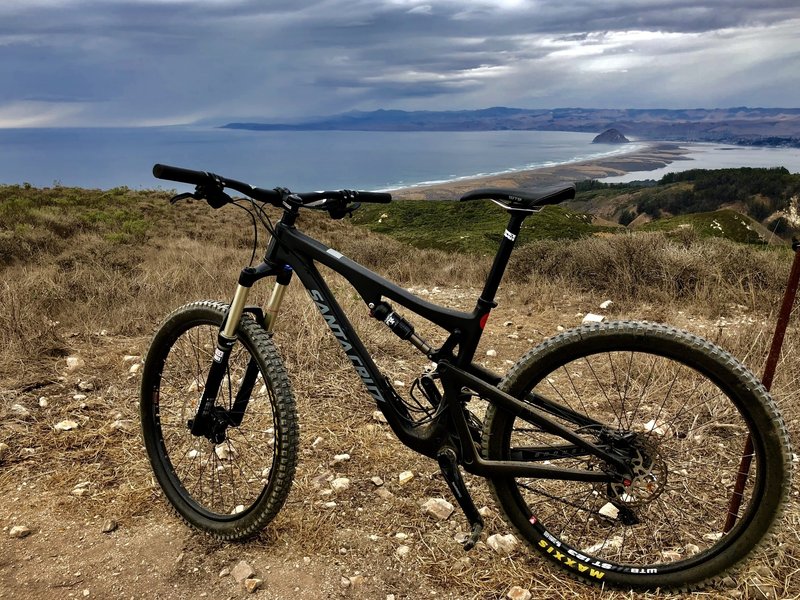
719 223
473 227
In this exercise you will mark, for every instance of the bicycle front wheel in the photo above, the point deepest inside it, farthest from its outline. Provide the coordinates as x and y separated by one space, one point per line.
232 488
680 410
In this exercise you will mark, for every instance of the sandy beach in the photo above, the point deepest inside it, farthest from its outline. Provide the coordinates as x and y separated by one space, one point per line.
652 157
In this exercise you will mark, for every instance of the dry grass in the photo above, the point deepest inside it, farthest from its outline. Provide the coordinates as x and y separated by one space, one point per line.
71 289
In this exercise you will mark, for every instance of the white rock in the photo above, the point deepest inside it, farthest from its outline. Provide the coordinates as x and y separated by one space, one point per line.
135 368
43 402
401 536
405 477
518 593
615 543
330 504
3 450
251 584
609 510
66 425
383 493
340 484
20 411
606 304
225 452
74 363
109 526
671 555
657 427
379 417
502 544
491 353
79 397
560 328
340 458
121 425
357 581
377 481
129 357
81 489
19 531
402 551
593 318
242 571
508 323
692 549
438 508
85 386
485 512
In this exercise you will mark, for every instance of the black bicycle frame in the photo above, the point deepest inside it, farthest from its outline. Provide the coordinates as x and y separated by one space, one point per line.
300 252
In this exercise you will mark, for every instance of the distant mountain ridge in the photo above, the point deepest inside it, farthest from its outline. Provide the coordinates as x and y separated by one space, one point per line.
742 125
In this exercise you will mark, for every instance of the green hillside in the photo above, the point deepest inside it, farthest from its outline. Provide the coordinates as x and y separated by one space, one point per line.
724 223
763 194
474 227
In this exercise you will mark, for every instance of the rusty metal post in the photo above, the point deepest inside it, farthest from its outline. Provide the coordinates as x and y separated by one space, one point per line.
769 374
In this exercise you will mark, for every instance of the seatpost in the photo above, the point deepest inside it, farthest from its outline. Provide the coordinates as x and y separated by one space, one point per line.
501 259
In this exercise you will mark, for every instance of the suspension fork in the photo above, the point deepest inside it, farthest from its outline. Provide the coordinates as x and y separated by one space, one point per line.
202 424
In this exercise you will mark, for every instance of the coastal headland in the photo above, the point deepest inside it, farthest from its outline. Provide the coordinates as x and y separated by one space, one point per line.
653 156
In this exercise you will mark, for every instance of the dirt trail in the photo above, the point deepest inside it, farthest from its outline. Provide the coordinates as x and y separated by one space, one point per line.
307 552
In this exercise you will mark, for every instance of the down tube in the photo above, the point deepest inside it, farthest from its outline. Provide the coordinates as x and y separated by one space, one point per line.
425 440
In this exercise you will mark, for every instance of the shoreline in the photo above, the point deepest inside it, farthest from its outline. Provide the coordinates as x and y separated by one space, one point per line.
654 156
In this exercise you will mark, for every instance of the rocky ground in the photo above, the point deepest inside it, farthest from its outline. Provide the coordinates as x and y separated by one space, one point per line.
82 516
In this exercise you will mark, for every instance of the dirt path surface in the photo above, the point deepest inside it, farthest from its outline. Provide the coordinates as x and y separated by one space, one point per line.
99 527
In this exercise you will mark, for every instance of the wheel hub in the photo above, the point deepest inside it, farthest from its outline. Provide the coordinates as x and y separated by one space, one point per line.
649 476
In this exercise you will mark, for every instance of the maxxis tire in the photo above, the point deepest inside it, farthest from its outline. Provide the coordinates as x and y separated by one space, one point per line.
772 460
256 343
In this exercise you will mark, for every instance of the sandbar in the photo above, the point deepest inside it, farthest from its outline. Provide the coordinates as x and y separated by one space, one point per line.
653 156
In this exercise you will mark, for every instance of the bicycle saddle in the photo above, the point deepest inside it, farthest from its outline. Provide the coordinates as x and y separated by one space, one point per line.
528 200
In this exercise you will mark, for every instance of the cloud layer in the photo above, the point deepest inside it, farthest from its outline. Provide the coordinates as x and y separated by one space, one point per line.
151 62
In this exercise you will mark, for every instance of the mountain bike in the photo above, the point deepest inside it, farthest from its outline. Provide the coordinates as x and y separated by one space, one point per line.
612 448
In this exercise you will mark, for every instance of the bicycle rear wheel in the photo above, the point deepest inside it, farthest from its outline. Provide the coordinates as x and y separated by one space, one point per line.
233 488
682 410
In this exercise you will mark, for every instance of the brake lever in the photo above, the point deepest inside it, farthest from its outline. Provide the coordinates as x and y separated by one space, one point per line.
186 195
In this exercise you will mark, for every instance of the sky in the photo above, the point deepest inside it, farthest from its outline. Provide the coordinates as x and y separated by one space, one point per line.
164 62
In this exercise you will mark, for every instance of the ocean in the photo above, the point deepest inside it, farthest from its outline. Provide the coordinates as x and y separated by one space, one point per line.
312 160
299 160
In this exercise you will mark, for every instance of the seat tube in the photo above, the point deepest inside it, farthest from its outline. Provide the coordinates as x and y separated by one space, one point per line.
501 258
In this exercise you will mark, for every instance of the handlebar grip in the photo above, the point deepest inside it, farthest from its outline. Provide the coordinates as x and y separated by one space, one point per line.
374 197
182 175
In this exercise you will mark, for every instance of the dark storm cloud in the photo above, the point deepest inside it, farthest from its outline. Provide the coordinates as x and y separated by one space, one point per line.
157 61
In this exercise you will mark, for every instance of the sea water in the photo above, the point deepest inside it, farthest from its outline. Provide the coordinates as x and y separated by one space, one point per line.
313 160
300 160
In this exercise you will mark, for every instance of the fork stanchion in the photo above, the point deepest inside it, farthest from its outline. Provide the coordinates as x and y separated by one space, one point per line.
769 374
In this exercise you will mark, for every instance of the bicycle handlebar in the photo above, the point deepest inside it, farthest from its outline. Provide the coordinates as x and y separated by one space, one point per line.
329 200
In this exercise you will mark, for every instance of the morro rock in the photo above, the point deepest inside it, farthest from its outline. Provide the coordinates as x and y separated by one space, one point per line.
610 136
